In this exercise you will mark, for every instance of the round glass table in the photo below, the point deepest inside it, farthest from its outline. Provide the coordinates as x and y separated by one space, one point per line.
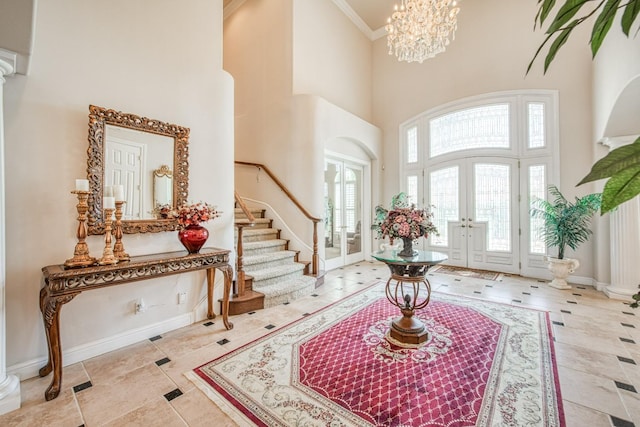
412 291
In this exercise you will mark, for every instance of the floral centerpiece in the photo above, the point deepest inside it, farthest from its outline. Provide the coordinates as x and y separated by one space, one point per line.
403 221
190 215
195 213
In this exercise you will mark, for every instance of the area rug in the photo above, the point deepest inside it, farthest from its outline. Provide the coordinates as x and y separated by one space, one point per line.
466 272
484 364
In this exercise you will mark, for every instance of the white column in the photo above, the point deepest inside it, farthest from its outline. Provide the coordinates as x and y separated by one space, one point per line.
625 241
9 384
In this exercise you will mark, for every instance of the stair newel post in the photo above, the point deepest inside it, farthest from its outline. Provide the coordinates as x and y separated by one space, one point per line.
316 258
240 278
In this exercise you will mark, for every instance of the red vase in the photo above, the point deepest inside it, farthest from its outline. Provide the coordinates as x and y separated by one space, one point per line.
193 237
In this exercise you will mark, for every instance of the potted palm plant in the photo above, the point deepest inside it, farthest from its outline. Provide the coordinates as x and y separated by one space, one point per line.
564 224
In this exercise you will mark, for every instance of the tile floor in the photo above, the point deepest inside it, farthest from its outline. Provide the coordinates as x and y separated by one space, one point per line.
597 342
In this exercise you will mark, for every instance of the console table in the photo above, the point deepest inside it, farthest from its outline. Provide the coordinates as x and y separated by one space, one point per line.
63 284
412 291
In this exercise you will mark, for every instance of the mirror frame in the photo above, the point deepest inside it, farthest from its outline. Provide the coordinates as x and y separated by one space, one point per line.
100 117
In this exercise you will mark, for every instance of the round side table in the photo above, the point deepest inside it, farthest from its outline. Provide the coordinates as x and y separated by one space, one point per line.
412 291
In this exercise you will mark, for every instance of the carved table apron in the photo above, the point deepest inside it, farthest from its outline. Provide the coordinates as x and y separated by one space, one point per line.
62 285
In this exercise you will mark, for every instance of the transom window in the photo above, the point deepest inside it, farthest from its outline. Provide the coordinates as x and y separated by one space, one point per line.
479 127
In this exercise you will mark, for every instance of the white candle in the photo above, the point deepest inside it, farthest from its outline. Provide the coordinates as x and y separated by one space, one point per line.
82 185
108 191
118 193
109 202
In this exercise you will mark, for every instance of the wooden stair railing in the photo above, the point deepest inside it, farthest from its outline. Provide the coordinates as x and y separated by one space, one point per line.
315 258
240 275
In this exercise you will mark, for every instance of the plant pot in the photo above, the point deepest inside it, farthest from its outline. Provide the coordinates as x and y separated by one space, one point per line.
561 269
193 237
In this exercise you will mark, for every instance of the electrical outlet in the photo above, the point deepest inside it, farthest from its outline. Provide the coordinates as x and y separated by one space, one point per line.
182 297
141 307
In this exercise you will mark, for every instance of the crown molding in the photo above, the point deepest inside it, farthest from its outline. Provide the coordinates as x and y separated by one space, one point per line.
355 18
379 33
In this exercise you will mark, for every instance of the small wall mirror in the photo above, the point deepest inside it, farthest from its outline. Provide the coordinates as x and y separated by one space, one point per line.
149 158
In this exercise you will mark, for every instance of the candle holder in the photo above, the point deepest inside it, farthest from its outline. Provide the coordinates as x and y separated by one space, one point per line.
81 257
118 247
107 255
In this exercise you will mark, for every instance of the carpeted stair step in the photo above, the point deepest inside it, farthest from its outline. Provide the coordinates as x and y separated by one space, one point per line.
271 259
259 223
263 247
254 235
270 275
239 213
287 291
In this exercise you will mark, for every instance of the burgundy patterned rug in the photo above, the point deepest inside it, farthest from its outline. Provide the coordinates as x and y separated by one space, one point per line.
484 364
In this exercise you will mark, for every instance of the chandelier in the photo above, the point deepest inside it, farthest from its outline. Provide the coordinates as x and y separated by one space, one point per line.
420 29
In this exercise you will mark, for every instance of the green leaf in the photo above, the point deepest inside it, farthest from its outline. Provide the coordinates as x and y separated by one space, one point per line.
545 9
566 12
629 16
621 187
614 162
603 25
557 44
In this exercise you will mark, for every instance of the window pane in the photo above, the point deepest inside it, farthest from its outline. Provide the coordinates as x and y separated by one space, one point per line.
479 127
412 145
537 186
493 204
443 188
536 125
412 189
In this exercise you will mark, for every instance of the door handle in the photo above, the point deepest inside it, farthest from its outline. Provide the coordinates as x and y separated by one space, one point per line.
470 226
463 226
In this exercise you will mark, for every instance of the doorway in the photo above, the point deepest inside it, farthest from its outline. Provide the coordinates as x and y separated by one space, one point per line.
343 196
476 210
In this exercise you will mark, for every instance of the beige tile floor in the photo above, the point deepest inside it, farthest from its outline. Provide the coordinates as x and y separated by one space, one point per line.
597 342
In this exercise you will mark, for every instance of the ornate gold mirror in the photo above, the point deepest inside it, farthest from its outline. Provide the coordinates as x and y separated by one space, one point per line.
135 152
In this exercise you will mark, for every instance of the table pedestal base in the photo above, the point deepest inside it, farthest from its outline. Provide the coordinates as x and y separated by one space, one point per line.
408 330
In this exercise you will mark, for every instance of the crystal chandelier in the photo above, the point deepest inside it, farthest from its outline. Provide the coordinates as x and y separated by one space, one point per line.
420 29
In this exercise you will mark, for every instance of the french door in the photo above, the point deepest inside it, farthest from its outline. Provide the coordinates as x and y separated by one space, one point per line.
476 210
343 237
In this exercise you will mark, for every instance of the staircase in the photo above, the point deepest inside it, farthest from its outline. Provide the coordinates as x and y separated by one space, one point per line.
274 275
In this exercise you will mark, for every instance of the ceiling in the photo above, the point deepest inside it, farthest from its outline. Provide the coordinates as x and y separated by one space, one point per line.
373 13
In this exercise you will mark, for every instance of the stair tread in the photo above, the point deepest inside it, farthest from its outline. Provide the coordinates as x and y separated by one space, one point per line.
256 221
271 256
286 286
263 244
258 231
277 271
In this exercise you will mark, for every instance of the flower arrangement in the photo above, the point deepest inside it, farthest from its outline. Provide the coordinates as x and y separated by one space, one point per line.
195 213
162 211
403 220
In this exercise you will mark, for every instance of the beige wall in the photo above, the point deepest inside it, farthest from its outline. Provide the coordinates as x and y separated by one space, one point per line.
331 57
283 124
155 58
493 46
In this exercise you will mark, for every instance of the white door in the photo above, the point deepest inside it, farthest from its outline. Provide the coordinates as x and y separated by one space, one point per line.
125 161
476 210
343 236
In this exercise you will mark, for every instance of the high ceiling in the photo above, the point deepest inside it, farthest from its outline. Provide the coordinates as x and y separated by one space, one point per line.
374 13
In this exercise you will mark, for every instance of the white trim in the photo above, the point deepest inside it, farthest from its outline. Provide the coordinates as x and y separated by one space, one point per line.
231 8
355 18
379 33
86 351
8 61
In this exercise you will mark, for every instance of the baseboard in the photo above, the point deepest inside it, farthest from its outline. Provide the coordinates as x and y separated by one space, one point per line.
582 280
82 352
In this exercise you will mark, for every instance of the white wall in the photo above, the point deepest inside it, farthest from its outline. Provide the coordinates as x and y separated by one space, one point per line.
331 57
156 58
493 46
